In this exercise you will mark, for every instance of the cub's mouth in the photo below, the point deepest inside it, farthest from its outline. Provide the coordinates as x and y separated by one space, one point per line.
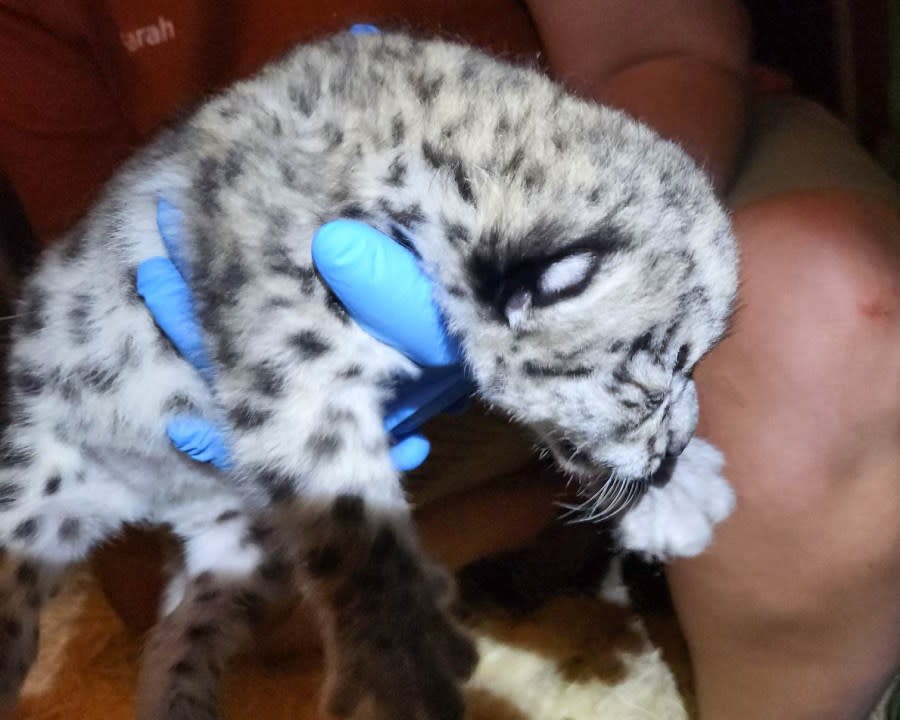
592 472
576 461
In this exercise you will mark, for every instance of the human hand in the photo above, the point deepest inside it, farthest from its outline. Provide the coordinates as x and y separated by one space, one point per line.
383 290
380 284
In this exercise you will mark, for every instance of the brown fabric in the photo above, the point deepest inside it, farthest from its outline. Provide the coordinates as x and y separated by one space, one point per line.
84 82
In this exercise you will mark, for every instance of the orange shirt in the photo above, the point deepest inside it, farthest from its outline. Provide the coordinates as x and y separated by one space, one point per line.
83 83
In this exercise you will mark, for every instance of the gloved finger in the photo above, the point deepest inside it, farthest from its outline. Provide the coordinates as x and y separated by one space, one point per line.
409 452
364 29
200 440
168 298
460 406
383 289
428 395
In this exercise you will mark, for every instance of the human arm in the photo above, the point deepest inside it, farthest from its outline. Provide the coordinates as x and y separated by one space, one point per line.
678 65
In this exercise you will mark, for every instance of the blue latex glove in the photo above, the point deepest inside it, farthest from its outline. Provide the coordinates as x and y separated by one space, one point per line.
380 284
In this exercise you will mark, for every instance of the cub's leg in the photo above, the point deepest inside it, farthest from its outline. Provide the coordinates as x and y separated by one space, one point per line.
54 505
304 401
234 565
394 651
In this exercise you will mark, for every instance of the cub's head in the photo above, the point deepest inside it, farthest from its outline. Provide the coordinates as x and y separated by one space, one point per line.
596 291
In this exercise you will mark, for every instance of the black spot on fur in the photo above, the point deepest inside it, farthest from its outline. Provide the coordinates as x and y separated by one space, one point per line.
427 89
27 574
183 668
209 595
77 316
72 246
233 165
201 632
227 516
536 370
383 545
534 178
309 344
334 136
259 532
31 311
12 628
230 282
354 211
14 456
288 174
28 382
684 352
398 130
642 343
455 233
27 529
69 529
515 162
52 485
303 98
407 217
10 492
179 403
208 182
249 606
275 570
268 380
348 509
323 561
278 486
396 176
353 371
560 142
98 378
441 160
324 445
279 261
246 417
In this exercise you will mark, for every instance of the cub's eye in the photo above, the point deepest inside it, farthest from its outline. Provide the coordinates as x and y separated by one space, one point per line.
515 277
564 276
541 285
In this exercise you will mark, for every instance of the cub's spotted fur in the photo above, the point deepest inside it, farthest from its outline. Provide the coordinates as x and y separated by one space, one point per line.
583 263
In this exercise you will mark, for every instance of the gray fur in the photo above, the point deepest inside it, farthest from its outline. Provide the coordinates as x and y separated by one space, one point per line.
583 263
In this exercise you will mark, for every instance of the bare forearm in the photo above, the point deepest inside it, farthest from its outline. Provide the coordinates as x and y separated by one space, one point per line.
678 65
700 106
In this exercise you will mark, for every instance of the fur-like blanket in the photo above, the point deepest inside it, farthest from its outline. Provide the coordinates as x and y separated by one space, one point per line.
575 658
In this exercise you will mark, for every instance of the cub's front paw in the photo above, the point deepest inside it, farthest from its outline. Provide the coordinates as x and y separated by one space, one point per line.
396 653
677 520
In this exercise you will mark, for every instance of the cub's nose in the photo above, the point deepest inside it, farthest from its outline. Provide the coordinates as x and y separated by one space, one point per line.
677 445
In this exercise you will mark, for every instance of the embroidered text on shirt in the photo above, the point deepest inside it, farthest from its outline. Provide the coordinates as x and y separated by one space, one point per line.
162 31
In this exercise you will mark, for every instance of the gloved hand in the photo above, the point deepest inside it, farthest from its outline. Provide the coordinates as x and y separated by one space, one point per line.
382 288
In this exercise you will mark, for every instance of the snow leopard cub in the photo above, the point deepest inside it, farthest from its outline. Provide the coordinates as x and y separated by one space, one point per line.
583 263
